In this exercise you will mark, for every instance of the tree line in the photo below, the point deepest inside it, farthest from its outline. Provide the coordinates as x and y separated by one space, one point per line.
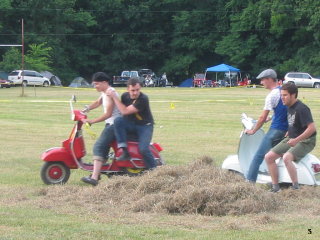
179 37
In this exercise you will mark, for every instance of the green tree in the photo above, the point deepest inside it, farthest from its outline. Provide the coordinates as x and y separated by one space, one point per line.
133 35
179 37
197 27
11 60
38 57
4 5
64 25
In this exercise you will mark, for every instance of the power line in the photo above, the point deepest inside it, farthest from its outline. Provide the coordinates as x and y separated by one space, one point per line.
146 11
147 33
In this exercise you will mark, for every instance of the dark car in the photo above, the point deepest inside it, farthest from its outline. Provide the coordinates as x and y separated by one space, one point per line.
5 83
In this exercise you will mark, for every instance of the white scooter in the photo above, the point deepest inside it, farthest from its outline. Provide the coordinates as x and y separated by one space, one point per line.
308 168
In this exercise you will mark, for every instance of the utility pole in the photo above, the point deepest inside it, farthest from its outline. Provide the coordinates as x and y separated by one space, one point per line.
22 57
22 51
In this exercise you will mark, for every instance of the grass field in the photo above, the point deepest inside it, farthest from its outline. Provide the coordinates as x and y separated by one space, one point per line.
190 123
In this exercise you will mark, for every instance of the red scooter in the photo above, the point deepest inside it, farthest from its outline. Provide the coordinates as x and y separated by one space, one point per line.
59 160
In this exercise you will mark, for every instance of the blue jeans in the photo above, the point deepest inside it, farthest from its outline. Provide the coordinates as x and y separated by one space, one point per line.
144 132
272 137
101 147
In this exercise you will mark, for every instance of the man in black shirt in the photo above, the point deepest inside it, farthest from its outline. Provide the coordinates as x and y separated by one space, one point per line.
300 140
137 118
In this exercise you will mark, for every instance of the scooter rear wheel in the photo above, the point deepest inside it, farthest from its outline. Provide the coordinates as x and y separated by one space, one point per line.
54 173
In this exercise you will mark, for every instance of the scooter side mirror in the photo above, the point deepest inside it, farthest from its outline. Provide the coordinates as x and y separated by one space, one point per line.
247 122
73 98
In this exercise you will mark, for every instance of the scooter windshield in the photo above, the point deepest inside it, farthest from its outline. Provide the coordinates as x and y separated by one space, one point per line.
248 146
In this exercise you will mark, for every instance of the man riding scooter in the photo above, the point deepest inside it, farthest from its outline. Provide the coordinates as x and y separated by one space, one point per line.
101 82
279 123
300 139
137 118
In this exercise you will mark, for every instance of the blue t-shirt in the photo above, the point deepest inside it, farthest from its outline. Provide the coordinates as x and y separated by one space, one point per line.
274 102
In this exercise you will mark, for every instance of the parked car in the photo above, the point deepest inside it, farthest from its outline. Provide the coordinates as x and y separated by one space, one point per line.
124 77
199 79
28 77
301 79
144 72
5 83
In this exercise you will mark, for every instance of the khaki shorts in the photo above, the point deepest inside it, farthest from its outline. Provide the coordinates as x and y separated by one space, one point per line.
298 151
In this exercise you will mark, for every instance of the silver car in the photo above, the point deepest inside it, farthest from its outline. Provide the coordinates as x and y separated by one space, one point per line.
301 79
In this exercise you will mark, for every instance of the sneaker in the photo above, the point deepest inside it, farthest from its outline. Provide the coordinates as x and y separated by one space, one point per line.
99 177
90 180
275 190
295 187
124 156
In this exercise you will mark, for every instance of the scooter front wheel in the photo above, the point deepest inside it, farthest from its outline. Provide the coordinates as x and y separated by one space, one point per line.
55 173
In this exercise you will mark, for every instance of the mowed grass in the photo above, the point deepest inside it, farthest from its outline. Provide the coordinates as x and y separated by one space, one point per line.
190 123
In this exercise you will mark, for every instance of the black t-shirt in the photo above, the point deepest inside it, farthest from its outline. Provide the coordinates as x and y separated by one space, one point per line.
299 117
144 115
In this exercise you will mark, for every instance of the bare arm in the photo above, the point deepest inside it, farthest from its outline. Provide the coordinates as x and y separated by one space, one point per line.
125 110
95 104
106 115
311 129
262 119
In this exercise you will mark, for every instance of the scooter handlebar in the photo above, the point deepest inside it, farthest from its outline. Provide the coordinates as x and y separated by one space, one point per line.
78 115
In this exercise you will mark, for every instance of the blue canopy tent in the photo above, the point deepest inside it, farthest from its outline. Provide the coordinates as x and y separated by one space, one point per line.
222 68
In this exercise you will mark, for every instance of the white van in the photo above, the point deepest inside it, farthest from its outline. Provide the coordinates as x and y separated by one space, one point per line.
28 77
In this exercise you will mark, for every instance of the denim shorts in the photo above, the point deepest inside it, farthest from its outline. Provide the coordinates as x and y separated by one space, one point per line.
300 150
101 147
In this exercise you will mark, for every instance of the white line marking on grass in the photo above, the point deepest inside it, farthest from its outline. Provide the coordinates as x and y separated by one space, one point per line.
155 101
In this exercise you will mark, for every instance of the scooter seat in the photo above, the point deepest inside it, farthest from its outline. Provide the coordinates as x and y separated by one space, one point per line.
132 137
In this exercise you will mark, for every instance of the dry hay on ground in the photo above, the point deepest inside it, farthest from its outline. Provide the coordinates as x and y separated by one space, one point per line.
196 188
